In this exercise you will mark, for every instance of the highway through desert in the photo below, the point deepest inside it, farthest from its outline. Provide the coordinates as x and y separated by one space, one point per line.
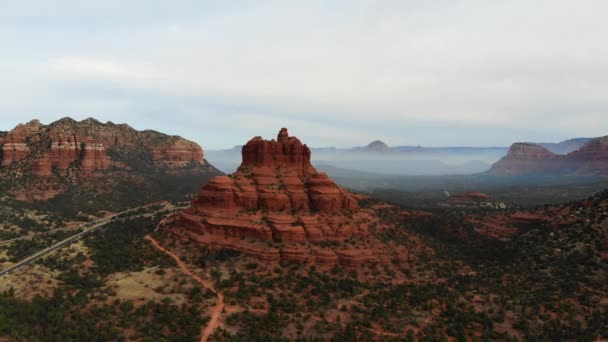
90 227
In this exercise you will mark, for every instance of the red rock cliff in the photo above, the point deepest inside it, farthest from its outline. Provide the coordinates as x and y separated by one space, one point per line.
176 153
15 147
285 152
275 195
42 159
275 175
85 146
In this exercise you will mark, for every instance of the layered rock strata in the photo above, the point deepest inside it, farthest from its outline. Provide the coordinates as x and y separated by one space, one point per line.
86 146
276 206
40 161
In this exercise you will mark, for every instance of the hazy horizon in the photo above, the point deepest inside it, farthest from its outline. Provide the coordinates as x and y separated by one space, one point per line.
337 73
240 144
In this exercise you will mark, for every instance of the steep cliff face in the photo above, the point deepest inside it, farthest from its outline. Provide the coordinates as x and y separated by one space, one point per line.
276 195
15 146
275 176
42 159
85 146
176 152
531 159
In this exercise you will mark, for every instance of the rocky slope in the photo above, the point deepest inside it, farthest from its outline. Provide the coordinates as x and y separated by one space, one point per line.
531 159
276 206
40 162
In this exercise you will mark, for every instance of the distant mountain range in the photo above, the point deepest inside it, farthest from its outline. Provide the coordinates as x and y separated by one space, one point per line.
379 158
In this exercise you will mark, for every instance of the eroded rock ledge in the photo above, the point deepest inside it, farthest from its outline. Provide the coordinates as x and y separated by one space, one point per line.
276 206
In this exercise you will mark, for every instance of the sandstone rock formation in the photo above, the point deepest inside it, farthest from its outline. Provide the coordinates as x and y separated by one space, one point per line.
66 151
176 152
85 145
15 145
277 196
531 159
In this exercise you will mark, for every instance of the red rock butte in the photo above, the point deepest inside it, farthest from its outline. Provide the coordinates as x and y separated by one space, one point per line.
276 206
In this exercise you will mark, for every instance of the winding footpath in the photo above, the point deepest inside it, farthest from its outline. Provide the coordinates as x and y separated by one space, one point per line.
213 324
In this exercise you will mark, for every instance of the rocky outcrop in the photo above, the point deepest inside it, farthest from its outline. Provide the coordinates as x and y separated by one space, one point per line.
531 159
16 143
275 175
94 156
276 196
177 152
285 152
68 151
86 146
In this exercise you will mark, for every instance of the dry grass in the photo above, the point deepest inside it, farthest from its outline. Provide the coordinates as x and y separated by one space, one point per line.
145 285
30 281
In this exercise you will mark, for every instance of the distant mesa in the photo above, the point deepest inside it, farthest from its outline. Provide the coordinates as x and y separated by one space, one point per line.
377 146
276 206
525 159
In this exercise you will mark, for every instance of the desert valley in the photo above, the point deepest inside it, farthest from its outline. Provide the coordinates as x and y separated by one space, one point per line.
109 233
310 171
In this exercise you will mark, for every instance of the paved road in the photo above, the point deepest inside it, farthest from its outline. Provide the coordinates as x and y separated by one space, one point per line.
91 227
6 242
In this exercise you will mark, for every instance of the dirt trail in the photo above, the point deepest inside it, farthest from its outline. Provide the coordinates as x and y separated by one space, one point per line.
213 324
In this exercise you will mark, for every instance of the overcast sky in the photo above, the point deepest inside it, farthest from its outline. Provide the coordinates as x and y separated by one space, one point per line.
337 73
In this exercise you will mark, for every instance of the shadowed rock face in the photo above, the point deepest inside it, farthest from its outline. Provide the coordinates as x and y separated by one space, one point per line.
531 159
276 195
